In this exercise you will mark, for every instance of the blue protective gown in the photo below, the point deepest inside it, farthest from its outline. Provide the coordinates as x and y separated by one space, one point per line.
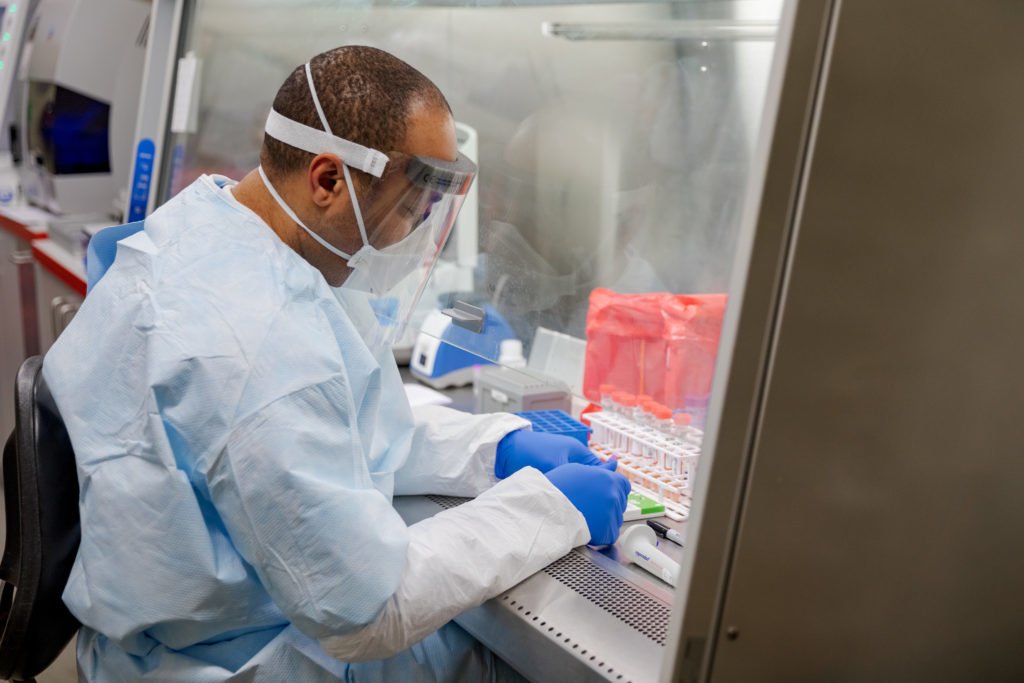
238 446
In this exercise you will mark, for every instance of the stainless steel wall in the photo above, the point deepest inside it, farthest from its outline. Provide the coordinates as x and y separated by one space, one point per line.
879 534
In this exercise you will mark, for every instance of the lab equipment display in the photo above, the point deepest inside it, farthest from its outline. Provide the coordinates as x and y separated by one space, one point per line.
82 80
446 353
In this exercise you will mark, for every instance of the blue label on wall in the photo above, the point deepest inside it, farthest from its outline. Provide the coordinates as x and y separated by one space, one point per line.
144 158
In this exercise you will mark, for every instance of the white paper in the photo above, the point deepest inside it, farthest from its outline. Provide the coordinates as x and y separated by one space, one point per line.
27 215
420 395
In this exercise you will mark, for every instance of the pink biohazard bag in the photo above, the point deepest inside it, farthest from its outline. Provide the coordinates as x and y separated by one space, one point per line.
661 345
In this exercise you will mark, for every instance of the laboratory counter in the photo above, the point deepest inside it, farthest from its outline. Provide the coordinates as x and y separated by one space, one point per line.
589 616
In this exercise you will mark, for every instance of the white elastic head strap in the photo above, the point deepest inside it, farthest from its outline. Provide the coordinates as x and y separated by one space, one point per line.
319 142
298 221
315 141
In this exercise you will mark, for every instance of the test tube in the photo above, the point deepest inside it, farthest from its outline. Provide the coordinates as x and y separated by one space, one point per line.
606 391
663 419
628 403
640 422
681 425
615 437
645 413
638 409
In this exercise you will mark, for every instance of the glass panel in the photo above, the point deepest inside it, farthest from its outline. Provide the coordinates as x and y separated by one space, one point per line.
613 141
591 262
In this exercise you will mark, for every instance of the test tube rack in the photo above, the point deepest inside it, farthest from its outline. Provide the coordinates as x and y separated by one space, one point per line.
659 465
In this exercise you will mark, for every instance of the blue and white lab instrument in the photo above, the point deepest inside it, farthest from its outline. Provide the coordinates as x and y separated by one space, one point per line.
446 352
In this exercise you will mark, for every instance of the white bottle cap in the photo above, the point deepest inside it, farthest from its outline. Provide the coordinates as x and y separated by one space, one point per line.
511 354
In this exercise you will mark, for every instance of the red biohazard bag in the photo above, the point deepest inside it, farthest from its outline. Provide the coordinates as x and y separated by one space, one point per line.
662 345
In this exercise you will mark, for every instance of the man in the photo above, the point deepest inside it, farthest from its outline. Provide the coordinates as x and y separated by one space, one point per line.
238 439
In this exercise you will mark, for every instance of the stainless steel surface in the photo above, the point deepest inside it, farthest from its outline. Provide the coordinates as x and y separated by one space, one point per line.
740 372
58 306
155 100
56 303
588 616
879 537
12 338
29 311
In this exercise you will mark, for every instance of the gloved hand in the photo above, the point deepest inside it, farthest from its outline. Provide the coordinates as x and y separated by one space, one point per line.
599 493
524 448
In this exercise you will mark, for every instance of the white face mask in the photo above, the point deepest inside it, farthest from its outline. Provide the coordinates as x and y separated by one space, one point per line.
375 271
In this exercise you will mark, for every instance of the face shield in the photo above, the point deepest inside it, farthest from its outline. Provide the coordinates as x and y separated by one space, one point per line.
405 215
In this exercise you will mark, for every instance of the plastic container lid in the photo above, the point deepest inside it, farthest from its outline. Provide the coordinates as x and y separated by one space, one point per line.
649 405
628 400
661 412
643 398
606 389
682 418
510 353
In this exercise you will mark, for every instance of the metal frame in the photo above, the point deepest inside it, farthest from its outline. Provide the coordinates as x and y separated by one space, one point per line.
155 103
862 518
740 373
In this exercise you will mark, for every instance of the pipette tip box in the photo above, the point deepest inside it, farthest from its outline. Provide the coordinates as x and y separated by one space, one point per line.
557 422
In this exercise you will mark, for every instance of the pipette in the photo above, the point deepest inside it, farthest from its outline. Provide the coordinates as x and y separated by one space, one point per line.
639 543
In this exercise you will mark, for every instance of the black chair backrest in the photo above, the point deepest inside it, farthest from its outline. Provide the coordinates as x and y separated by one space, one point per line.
41 498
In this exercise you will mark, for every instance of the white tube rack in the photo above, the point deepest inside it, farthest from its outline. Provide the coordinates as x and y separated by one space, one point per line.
658 465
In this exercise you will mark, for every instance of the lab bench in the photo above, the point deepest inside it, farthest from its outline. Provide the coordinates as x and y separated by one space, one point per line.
589 616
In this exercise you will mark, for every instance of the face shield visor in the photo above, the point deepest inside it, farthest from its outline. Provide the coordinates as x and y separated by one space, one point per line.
405 214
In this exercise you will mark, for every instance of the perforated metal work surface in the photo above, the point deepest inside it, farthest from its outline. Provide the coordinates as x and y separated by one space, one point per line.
587 617
609 592
448 502
612 594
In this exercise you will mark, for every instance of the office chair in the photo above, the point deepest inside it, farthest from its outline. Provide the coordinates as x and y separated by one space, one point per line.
103 249
41 498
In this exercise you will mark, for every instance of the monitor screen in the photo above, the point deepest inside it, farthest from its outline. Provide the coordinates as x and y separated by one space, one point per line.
68 132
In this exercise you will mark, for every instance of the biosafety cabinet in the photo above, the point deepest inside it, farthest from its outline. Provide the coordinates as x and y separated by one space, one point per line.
833 190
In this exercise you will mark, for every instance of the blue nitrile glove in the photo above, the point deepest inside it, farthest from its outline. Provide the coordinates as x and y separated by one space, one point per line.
599 493
524 448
